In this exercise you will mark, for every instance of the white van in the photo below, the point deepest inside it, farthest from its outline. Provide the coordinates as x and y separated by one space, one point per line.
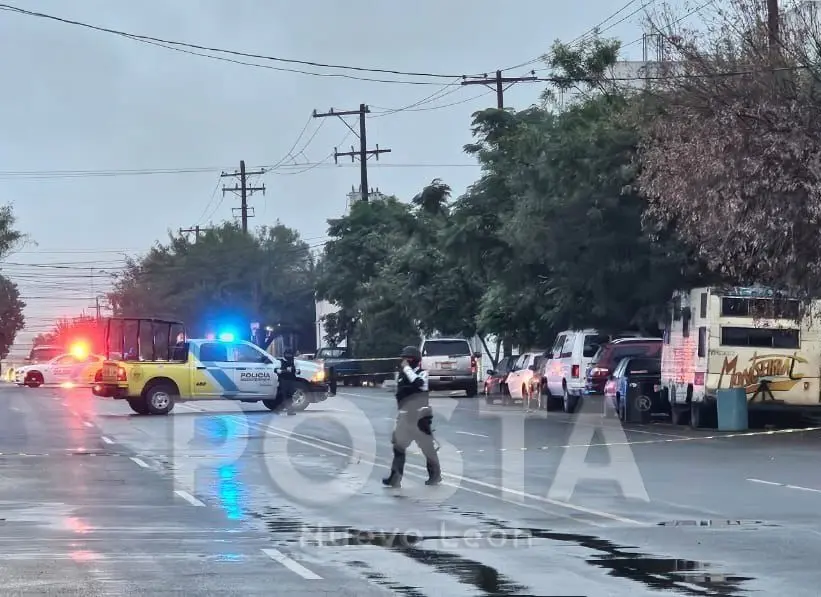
564 372
565 369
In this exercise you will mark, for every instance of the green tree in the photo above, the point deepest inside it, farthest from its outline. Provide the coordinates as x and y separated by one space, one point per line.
11 306
437 291
226 278
11 315
371 318
477 227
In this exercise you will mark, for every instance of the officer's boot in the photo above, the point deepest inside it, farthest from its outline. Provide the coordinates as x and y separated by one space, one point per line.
397 468
434 472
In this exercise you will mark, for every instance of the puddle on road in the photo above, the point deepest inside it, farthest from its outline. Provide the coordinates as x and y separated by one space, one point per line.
384 581
685 577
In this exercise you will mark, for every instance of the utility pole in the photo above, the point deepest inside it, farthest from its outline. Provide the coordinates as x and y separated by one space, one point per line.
364 153
196 230
244 190
97 307
498 83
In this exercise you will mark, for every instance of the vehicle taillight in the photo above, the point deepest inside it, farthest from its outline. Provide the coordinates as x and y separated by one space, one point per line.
98 377
599 371
574 371
121 376
473 364
698 378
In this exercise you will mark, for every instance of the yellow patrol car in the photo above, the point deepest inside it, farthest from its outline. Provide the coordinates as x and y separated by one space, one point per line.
151 364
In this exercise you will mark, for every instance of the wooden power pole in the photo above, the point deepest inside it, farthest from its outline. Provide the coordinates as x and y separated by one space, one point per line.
243 190
196 230
497 83
364 153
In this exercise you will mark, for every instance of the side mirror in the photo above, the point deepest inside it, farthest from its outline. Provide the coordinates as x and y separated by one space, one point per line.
298 372
533 368
490 372
477 355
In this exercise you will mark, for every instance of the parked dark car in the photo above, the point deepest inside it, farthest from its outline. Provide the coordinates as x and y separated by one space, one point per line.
635 392
611 353
495 385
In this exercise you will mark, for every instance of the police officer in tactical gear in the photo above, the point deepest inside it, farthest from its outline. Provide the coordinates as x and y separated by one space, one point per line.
414 420
287 381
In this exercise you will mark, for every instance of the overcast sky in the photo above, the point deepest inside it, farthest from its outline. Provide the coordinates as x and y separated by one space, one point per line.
80 100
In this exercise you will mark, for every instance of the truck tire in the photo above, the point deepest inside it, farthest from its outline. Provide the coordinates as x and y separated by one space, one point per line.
138 405
272 405
34 379
301 398
472 390
159 398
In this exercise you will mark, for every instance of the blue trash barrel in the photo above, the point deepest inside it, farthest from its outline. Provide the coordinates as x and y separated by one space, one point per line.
732 409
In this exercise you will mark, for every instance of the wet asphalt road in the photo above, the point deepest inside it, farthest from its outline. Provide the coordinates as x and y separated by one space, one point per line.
221 498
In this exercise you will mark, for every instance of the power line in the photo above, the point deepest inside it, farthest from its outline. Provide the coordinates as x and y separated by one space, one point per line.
678 20
364 153
283 168
498 81
593 29
183 45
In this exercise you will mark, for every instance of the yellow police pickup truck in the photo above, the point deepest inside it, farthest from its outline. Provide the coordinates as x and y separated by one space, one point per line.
154 366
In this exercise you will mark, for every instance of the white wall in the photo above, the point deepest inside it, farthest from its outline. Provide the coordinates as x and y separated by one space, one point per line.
324 308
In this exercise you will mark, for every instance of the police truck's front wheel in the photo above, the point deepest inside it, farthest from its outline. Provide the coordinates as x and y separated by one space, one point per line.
300 399
159 398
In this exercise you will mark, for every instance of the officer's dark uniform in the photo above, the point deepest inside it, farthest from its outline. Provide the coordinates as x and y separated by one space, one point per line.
287 381
414 420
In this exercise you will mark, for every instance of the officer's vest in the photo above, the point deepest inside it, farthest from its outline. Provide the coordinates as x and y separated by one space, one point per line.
407 393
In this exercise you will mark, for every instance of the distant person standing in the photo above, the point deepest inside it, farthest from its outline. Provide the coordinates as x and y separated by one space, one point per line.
414 421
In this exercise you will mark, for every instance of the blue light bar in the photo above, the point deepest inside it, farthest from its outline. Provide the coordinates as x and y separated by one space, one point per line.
226 337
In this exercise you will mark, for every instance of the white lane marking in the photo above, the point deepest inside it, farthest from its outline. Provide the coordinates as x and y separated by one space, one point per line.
290 564
107 440
798 487
763 482
785 485
472 434
189 498
313 442
139 462
88 424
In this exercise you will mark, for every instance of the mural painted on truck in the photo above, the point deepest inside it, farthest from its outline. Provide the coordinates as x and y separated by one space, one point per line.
784 369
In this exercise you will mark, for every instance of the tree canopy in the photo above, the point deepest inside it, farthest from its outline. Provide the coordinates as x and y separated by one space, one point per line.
553 235
226 278
11 306
730 157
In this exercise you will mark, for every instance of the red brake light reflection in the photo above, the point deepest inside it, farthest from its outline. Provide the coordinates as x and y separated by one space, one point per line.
574 371
121 376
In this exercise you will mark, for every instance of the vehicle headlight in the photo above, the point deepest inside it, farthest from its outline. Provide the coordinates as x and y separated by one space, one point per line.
319 376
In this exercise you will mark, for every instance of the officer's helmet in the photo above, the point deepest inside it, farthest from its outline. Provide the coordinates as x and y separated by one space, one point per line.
411 354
